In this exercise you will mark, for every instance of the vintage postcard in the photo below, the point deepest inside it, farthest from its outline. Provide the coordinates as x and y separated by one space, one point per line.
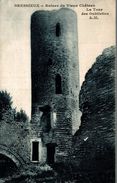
57 91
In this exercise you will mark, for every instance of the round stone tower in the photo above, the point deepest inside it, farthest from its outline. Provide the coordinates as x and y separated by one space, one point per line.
55 76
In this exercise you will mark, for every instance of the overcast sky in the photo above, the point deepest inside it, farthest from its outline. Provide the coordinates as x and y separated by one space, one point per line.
15 57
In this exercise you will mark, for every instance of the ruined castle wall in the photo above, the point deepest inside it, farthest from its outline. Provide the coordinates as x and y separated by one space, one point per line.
14 142
94 143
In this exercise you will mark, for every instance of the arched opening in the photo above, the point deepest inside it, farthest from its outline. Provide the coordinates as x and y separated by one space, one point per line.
58 30
58 84
7 166
45 120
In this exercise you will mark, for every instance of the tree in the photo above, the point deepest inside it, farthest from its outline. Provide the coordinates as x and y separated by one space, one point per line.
5 103
21 116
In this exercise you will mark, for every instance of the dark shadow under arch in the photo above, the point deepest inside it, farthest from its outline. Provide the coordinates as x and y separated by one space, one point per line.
16 158
7 166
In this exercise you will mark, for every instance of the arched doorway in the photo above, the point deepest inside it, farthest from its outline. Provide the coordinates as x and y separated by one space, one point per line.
7 166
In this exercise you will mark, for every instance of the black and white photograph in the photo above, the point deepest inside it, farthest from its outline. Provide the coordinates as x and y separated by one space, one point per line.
57 91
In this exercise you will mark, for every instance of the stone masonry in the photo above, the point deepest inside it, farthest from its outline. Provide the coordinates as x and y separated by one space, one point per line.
55 79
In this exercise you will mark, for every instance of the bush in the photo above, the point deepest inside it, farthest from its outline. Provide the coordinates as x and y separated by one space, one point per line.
5 103
21 116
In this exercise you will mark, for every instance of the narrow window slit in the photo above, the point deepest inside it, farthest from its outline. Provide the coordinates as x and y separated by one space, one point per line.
58 30
58 84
